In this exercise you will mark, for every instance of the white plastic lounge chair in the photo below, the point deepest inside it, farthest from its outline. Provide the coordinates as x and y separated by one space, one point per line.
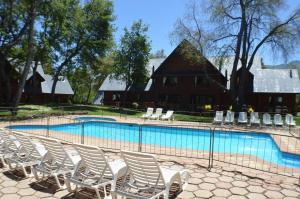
148 113
267 119
242 118
27 155
147 178
278 120
254 118
229 118
95 172
289 120
56 162
218 119
157 114
8 146
168 116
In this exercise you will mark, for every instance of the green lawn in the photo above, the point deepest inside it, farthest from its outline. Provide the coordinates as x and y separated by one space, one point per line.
35 110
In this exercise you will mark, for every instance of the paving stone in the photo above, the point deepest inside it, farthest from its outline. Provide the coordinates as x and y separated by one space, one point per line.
191 188
197 175
238 191
255 189
290 193
221 192
237 197
210 180
238 183
7 190
207 186
195 181
213 175
256 196
9 183
10 196
30 197
274 194
186 195
26 192
60 194
226 179
224 185
203 193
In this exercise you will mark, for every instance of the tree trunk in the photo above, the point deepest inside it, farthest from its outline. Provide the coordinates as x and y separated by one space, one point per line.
5 76
33 92
29 58
89 93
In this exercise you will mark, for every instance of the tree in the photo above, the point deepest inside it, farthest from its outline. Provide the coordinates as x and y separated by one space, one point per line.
14 22
132 56
241 28
32 16
83 38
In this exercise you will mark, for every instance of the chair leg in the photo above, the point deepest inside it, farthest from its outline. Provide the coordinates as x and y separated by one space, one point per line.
98 194
58 183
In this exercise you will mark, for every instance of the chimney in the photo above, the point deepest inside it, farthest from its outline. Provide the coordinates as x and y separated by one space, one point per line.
291 73
153 69
226 74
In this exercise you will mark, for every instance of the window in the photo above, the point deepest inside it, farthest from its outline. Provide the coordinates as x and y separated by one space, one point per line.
170 81
201 80
278 99
116 97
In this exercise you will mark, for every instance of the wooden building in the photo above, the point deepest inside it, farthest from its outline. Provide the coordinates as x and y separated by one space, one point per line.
186 80
38 87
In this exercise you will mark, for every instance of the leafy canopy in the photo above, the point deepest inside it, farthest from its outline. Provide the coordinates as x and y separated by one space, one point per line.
132 55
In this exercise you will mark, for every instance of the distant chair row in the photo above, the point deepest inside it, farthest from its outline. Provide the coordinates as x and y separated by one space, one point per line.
158 114
254 119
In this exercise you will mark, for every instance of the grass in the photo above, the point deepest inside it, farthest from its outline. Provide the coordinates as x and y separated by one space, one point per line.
32 110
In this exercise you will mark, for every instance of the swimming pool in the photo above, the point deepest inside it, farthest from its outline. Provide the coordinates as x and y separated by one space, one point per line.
95 119
256 144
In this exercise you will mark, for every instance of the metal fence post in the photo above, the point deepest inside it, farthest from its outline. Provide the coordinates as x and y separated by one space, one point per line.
48 121
82 132
140 139
211 148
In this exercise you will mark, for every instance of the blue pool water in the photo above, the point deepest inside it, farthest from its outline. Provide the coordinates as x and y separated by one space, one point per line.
256 144
95 119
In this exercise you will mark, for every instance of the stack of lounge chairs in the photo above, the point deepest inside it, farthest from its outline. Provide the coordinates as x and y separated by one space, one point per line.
254 119
140 173
158 114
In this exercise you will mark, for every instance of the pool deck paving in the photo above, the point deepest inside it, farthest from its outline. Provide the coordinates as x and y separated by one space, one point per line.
224 180
219 182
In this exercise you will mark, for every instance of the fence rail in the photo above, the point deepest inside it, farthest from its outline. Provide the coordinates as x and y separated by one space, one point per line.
272 152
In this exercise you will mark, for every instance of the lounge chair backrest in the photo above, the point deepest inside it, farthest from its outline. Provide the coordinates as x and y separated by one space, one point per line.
277 118
6 138
159 111
266 117
56 151
149 111
169 113
289 118
254 116
231 116
242 116
143 168
27 145
219 115
93 158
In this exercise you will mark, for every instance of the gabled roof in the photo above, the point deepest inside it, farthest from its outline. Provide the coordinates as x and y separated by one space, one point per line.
112 84
191 61
62 87
276 81
265 80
